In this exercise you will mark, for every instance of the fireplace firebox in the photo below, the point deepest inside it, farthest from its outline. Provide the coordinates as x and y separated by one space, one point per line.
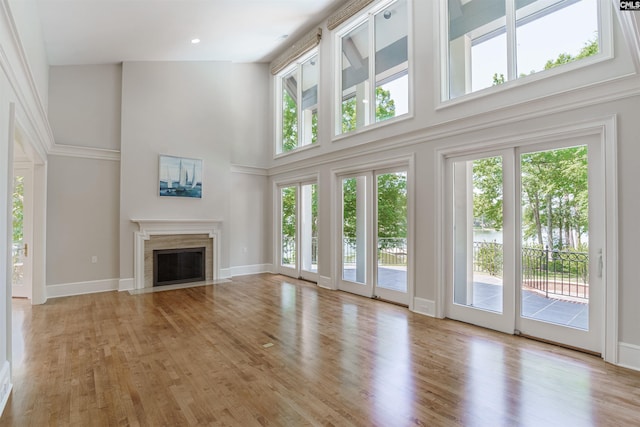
183 265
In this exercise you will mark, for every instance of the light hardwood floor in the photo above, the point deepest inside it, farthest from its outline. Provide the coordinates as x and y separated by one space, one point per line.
196 356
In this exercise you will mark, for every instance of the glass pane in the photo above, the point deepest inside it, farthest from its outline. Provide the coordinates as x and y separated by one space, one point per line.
288 237
289 112
17 248
309 227
477 46
553 34
478 219
555 236
392 231
353 229
355 78
392 82
309 108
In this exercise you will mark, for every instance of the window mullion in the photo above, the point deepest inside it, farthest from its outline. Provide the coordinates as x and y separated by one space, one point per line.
511 39
299 104
371 102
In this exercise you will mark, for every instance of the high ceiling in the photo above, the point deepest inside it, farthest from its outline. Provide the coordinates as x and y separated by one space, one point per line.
112 31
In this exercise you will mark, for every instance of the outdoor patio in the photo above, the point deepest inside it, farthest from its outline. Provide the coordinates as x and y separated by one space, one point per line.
487 295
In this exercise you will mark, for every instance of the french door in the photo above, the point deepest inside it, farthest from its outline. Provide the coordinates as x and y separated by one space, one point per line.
373 234
298 231
22 209
525 230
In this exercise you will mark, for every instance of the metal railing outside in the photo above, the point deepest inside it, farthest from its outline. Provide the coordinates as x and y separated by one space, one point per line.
556 272
552 272
392 251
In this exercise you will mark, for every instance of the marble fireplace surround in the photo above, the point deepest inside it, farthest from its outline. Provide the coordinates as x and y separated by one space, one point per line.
177 232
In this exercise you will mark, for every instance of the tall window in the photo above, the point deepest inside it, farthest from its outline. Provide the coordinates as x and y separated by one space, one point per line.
299 102
494 41
374 68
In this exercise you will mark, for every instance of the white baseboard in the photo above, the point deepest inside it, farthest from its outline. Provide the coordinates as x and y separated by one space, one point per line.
629 356
325 282
80 288
126 284
225 273
5 385
244 270
424 306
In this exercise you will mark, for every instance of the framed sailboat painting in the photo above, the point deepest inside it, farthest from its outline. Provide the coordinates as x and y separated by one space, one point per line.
180 177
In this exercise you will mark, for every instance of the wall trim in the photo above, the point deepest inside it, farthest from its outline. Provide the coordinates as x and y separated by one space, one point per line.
629 356
225 273
5 385
244 270
81 288
424 306
126 284
249 170
25 89
326 283
84 152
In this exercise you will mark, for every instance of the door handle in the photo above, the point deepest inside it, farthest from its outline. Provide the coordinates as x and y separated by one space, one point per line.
600 263
26 250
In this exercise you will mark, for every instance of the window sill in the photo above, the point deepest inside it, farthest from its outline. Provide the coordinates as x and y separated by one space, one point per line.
296 150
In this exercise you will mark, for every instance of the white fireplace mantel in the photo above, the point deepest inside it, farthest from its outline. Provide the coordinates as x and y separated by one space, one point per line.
150 227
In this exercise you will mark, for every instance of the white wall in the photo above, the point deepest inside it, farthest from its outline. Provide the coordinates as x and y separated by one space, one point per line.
112 121
27 21
84 105
83 202
207 110
82 217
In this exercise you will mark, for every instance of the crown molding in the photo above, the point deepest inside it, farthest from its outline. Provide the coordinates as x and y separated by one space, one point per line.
14 63
84 152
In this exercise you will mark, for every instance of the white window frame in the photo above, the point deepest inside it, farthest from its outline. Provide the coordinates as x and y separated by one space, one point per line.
368 15
297 67
605 43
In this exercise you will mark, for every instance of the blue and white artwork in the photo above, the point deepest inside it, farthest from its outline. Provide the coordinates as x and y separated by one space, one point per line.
180 177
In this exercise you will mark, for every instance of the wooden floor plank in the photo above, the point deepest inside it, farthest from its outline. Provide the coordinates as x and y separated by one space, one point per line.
196 356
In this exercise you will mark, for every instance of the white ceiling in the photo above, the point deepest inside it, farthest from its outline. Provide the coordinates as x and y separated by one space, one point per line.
112 31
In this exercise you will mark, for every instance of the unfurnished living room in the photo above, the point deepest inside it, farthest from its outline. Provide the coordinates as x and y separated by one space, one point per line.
327 212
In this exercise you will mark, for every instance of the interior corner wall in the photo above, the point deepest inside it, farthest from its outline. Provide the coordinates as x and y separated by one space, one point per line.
83 193
82 218
187 109
250 219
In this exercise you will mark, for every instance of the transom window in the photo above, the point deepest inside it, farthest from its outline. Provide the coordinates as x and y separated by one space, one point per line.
491 42
376 44
298 86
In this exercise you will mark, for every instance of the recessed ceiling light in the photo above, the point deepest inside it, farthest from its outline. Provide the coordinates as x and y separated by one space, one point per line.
195 41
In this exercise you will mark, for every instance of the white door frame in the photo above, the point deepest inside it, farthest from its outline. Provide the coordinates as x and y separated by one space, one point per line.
25 169
605 128
298 183
406 162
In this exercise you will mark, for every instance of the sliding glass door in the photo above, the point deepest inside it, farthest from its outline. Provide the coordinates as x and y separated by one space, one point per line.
373 236
525 229
298 230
